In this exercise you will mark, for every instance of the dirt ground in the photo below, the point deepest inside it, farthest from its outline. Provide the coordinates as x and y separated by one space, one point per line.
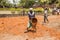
13 28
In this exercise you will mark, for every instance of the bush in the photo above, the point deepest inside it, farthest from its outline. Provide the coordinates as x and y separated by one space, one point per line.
39 9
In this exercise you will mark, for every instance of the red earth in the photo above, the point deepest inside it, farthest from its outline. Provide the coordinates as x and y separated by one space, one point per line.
13 28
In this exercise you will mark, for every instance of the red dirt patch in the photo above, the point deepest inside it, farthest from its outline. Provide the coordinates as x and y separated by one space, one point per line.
17 26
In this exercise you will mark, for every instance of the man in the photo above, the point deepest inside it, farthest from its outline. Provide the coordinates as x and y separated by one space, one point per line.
23 12
54 10
45 15
58 11
31 15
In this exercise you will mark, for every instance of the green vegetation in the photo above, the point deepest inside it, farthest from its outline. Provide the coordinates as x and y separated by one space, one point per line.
27 3
20 9
39 9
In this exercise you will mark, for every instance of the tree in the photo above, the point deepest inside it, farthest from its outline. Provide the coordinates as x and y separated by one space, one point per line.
14 2
3 3
27 3
30 3
22 2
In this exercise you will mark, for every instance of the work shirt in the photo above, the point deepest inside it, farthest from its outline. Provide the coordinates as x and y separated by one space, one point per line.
31 15
45 12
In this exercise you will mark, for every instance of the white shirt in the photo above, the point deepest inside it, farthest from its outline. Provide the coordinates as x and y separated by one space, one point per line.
45 13
54 9
58 10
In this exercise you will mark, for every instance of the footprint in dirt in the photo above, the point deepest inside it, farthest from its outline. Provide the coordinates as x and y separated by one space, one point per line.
2 23
26 39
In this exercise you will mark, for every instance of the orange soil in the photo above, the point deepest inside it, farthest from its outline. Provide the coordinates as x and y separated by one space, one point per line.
17 26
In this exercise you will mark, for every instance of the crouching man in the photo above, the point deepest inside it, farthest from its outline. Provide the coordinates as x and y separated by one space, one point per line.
31 22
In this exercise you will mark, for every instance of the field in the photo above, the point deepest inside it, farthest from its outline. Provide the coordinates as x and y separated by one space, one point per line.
13 28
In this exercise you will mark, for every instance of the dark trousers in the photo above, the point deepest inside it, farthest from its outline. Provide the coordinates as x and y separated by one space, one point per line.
57 13
45 19
54 12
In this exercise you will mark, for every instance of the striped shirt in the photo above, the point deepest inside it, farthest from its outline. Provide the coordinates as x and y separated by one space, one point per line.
31 15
